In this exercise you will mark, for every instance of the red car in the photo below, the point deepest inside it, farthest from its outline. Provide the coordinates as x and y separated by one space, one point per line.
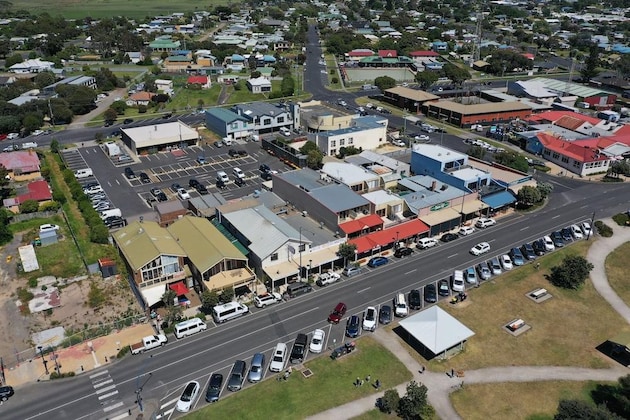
337 313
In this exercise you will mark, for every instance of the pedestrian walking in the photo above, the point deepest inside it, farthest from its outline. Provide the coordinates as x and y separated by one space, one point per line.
452 373
362 382
378 384
358 381
368 378
537 265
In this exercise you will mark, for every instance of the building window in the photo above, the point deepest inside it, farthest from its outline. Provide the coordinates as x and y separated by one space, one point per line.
274 256
576 164
333 152
234 126
546 152
342 142
350 140
302 247
565 159
266 121
280 119
333 143
555 156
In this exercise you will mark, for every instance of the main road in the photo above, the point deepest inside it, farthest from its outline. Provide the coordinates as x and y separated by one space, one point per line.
194 358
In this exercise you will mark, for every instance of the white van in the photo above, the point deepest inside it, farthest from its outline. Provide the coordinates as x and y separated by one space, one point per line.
400 305
230 310
83 173
111 212
189 327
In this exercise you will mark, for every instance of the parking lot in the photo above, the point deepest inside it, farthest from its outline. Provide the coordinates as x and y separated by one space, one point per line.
134 197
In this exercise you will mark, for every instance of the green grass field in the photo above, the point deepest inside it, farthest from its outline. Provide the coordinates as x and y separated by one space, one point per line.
106 8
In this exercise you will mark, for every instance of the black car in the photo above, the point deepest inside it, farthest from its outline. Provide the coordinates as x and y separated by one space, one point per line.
127 121
198 186
443 288
6 392
539 247
430 294
232 152
175 186
167 116
385 315
242 153
266 176
214 387
220 184
129 173
556 237
353 326
448 237
239 181
415 300
528 252
145 178
264 168
403 252
567 235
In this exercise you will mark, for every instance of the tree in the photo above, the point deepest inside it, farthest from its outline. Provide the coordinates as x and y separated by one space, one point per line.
99 234
6 235
591 64
110 115
32 122
209 299
413 405
571 273
347 252
512 160
528 195
54 145
173 311
384 83
426 78
545 188
13 59
29 206
477 152
227 295
389 401
44 79
616 398
314 159
119 107
581 410
287 87
4 176
619 167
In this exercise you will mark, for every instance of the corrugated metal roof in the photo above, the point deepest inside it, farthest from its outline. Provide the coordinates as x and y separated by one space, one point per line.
413 94
143 242
338 198
486 108
571 88
156 134
225 115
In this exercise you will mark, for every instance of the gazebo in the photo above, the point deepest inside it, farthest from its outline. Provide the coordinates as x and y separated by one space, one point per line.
437 332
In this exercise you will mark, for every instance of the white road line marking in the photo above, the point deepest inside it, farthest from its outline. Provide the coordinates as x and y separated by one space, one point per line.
525 228
102 397
105 372
100 384
364 290
412 271
115 406
451 256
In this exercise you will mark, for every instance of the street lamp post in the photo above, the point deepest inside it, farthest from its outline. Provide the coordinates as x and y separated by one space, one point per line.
57 366
41 352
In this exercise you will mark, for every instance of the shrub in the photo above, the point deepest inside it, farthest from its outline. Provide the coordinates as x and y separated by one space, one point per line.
603 229
622 219
123 351
571 273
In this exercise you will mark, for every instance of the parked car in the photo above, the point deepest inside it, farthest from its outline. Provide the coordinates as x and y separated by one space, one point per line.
506 262
539 247
430 293
516 256
298 351
157 193
425 243
183 194
457 281
327 278
577 233
443 288
338 312
400 305
6 392
586 229
353 326
175 187
483 271
351 271
485 222
145 178
237 376
127 121
201 189
415 299
265 299
369 319
377 261
470 275
549 245
317 341
385 314
567 235
188 397
466 230
495 266
129 173
528 252
448 237
480 248
255 373
279 358
403 252
214 388
556 237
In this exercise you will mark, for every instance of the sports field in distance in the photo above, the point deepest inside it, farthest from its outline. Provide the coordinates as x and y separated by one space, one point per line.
104 8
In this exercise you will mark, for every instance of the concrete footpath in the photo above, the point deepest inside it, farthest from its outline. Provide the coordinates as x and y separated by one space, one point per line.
440 384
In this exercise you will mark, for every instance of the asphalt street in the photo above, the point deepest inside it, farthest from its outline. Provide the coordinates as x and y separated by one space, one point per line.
196 357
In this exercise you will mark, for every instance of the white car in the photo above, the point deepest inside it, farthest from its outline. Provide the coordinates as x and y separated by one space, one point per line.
586 228
369 319
188 397
506 262
328 278
466 230
425 243
422 137
480 248
183 194
47 228
577 233
317 342
485 222
549 246
265 299
279 358
399 143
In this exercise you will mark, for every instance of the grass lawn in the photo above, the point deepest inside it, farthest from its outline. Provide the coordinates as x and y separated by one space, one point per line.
330 386
529 400
375 414
109 8
189 98
616 271
565 329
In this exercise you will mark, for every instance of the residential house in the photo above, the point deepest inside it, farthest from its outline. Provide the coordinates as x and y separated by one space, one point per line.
227 123
369 132
358 54
22 165
259 85
202 81
39 191
264 117
439 46
135 56
31 66
164 86
140 98
205 58
235 62
164 43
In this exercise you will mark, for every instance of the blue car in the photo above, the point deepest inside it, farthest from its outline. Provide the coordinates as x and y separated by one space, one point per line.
353 326
517 256
377 261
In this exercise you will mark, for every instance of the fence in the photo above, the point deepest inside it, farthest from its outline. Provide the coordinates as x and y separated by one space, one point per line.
29 216
73 338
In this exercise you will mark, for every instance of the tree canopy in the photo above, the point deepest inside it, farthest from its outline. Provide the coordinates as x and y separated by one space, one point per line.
571 273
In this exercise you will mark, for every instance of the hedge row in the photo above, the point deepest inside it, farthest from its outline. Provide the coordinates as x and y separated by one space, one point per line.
98 231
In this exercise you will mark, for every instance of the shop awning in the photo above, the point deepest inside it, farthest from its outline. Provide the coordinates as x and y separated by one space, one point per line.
473 206
517 187
387 236
367 222
438 217
498 200
179 288
153 295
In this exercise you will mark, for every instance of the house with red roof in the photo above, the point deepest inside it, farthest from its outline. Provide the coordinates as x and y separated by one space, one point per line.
387 53
37 190
203 81
424 54
358 54
22 165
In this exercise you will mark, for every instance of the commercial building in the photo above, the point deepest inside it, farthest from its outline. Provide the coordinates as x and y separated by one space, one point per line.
159 137
464 116
364 133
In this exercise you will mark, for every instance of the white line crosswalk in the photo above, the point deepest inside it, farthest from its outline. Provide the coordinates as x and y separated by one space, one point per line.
107 395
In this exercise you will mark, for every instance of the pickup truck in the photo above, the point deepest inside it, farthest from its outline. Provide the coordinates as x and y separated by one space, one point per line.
299 349
327 278
148 343
267 299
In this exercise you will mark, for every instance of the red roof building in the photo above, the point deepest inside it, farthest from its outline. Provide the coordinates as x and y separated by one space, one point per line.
362 225
22 165
389 236
550 117
583 157
36 190
387 53
204 81
423 53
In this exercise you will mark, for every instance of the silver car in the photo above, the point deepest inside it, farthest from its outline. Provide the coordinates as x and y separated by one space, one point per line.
256 370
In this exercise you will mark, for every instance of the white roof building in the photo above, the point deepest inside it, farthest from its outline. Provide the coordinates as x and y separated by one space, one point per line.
32 66
159 136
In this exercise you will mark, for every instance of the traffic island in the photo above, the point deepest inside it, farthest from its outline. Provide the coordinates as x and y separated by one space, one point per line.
516 327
